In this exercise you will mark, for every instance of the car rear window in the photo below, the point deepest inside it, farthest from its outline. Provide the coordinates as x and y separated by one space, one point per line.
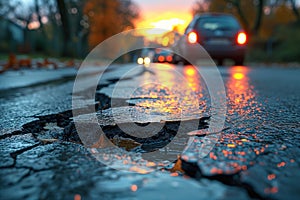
218 23
162 52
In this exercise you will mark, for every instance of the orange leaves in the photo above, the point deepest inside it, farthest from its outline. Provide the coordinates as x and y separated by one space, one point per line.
106 18
102 17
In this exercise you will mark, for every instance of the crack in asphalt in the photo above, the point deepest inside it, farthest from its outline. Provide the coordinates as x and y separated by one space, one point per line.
69 134
14 155
193 170
64 120
8 135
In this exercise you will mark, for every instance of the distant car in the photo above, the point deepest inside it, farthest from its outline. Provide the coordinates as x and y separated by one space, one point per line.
220 35
163 56
145 56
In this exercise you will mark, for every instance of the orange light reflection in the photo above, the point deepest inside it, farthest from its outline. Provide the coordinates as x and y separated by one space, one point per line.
238 76
175 94
239 91
134 188
192 77
77 197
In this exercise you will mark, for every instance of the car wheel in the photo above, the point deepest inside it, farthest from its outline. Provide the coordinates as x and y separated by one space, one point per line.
220 62
176 59
239 61
180 60
185 62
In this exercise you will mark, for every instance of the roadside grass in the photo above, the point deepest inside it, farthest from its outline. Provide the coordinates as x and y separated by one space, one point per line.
282 47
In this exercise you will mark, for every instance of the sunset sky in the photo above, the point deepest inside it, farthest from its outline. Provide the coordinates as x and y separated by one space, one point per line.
164 14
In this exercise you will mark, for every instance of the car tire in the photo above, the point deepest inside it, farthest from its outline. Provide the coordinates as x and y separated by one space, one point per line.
185 62
176 59
180 60
220 62
239 61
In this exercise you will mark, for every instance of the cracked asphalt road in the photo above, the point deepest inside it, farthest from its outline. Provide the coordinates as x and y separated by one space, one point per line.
256 157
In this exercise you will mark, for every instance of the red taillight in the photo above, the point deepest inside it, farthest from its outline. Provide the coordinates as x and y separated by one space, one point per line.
241 38
192 37
161 58
169 58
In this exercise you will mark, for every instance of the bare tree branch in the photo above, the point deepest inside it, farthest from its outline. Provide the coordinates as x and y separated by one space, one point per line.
295 10
259 16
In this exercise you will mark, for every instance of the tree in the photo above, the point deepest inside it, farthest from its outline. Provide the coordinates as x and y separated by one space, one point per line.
238 7
7 8
108 17
65 26
200 7
20 14
68 25
242 7
58 25
128 13
295 10
259 16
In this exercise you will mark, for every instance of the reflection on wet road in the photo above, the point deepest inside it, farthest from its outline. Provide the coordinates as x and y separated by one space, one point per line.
256 155
246 146
162 92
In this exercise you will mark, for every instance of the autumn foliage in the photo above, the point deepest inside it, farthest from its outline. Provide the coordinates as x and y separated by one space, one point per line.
108 17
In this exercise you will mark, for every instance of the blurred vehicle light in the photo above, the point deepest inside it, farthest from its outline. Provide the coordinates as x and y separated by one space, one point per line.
220 34
163 55
147 60
192 37
140 61
161 58
169 58
241 38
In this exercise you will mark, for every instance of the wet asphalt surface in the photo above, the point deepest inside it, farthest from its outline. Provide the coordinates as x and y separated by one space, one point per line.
256 155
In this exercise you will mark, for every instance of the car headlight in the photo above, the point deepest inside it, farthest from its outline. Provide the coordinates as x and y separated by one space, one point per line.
140 61
147 60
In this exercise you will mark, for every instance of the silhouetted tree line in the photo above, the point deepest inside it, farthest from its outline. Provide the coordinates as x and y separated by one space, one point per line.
64 27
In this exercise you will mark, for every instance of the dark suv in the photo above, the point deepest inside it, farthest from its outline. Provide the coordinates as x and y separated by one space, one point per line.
220 35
